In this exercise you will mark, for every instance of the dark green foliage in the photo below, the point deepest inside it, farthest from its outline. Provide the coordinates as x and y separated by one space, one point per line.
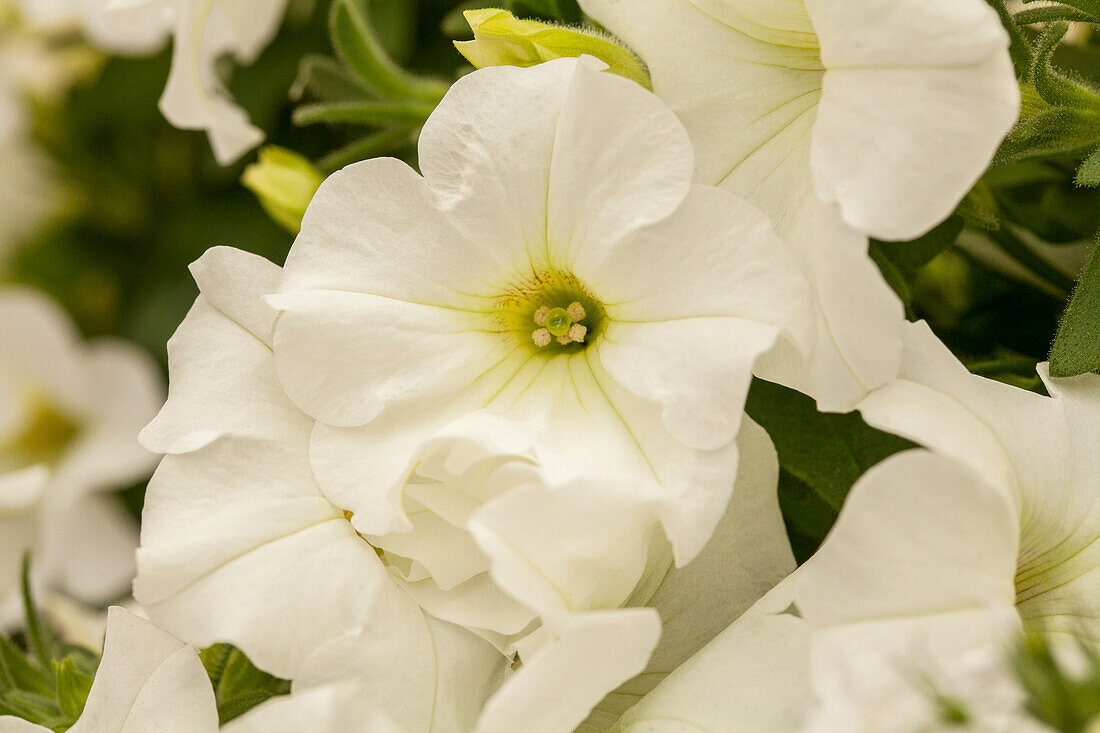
821 456
1064 700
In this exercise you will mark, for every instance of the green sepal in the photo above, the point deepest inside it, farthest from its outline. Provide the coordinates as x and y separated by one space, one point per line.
1088 174
1076 348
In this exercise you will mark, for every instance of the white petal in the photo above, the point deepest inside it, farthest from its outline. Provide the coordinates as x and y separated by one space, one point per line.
336 708
697 369
919 534
727 261
9 724
234 281
575 547
194 97
744 79
343 357
747 555
860 320
555 689
424 675
993 427
92 545
898 147
373 227
610 179
223 382
239 546
753 677
147 682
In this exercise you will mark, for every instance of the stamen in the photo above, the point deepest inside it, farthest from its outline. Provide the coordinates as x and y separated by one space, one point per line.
541 314
576 311
577 333
564 339
541 337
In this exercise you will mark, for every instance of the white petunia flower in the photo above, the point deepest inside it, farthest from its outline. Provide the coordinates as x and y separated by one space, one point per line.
146 682
408 303
69 417
204 31
240 543
887 111
890 108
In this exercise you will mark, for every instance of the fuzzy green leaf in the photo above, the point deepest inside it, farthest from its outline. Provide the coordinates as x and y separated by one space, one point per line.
327 80
1076 348
238 685
17 673
1052 85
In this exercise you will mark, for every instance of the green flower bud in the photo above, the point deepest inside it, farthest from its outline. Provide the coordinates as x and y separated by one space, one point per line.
502 39
284 182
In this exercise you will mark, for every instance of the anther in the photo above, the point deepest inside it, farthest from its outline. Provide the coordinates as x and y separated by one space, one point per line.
541 314
541 337
576 311
577 333
564 339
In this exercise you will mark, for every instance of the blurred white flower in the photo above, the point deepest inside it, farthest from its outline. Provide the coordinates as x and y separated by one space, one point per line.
892 109
555 267
69 416
239 543
88 18
146 681
203 32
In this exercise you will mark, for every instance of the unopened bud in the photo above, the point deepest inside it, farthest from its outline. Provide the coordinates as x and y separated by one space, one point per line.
502 39
284 182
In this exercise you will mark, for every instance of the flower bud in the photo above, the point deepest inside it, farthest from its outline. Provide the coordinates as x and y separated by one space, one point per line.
284 182
502 39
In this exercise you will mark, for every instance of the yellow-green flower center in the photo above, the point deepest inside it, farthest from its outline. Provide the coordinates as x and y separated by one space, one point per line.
552 312
45 435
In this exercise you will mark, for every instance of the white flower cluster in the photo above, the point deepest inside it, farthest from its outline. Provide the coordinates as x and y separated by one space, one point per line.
476 458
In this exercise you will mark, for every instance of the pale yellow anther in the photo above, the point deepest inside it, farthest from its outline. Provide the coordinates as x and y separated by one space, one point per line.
564 339
576 311
541 337
541 314
577 333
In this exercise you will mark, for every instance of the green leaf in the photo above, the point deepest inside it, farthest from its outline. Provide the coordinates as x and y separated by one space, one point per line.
17 673
364 113
73 687
1089 172
238 685
1052 131
357 46
1076 348
808 517
38 628
908 257
827 453
1019 48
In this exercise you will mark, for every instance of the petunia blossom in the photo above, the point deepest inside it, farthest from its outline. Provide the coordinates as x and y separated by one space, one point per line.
70 413
554 267
838 118
241 543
